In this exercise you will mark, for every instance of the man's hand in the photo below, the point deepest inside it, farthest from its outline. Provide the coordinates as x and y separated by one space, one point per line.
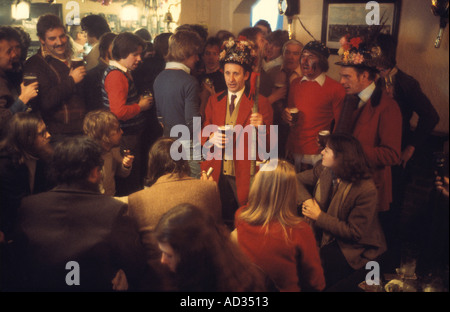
128 159
311 209
407 153
209 89
119 282
256 119
286 116
442 185
28 92
145 103
218 139
78 73
204 177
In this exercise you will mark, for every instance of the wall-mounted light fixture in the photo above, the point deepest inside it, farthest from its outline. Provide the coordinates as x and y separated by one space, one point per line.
440 8
20 10
129 12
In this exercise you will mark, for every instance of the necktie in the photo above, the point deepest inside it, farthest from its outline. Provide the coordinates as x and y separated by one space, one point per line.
233 98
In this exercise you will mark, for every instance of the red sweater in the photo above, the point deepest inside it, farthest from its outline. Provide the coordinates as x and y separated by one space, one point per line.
280 259
318 106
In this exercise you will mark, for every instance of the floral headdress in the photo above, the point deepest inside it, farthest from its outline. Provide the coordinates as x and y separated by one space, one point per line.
360 50
241 52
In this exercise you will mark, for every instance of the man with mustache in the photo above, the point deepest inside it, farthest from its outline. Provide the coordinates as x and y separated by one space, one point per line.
318 99
60 101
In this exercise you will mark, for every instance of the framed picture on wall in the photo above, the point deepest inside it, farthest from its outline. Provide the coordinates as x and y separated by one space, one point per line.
342 16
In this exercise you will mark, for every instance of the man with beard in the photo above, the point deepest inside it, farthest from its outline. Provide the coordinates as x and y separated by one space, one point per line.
318 99
60 101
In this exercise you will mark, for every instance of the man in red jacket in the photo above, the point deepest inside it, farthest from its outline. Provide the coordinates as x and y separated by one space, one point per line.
234 107
374 118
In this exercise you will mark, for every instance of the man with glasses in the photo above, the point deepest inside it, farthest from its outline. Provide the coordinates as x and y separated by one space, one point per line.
24 154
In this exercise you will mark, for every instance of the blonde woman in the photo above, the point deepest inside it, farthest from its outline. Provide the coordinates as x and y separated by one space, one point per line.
275 238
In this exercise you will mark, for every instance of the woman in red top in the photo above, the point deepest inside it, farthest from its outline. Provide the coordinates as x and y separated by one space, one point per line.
272 234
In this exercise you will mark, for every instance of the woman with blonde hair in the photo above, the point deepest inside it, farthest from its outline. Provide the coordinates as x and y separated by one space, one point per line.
272 234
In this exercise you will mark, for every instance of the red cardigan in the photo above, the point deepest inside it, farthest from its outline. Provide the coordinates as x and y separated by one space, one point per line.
280 259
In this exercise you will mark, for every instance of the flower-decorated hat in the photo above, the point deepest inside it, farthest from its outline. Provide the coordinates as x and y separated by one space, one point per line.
241 52
318 48
360 50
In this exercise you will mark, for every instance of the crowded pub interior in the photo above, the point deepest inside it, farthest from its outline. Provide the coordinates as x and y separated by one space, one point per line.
224 146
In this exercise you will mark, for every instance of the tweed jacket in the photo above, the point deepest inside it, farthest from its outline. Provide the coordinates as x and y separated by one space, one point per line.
148 205
350 216
215 113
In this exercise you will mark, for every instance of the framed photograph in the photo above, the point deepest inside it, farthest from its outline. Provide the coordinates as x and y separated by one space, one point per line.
340 16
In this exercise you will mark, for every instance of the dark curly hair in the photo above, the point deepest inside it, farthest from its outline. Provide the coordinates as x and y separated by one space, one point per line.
95 25
73 160
47 22
352 162
208 259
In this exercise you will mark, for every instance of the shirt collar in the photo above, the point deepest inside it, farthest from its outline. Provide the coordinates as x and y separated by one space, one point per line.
319 79
118 65
238 95
365 94
177 65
